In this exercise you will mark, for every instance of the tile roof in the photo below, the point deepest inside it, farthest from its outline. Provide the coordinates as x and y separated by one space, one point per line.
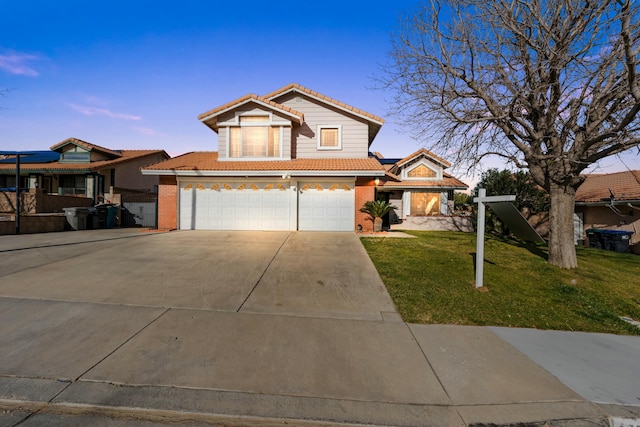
208 161
85 144
427 153
595 188
211 114
342 105
394 181
447 181
124 156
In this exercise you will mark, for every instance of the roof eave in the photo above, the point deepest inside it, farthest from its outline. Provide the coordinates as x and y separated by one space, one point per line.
438 187
270 173
606 203
293 88
204 118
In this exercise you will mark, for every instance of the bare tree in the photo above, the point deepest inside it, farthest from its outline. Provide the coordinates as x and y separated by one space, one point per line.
550 85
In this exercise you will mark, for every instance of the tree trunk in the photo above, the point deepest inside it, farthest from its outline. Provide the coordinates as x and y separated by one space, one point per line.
377 224
562 250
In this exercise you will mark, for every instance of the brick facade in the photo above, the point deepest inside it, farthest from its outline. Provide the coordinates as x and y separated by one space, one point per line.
365 191
168 203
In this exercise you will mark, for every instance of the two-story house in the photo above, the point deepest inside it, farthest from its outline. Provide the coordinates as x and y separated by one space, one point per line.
293 159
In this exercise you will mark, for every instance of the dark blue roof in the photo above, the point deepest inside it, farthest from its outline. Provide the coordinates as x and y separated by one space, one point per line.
384 161
388 161
31 156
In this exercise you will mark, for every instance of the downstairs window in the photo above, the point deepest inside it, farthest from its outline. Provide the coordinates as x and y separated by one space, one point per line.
425 204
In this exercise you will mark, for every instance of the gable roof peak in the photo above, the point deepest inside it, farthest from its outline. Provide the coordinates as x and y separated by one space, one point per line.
426 153
317 95
209 118
86 145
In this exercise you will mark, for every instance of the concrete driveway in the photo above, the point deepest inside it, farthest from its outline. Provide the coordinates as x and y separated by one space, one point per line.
119 327
314 274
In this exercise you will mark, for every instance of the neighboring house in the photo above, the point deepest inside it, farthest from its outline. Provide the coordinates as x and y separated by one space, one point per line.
610 201
79 168
290 160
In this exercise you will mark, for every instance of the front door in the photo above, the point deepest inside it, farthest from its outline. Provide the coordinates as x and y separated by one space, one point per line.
46 184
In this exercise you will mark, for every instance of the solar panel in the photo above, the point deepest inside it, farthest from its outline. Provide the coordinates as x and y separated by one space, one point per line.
30 156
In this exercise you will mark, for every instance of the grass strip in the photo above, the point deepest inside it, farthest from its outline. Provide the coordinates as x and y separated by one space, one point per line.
430 279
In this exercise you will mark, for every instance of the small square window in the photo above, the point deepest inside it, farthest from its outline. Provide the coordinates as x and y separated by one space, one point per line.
329 137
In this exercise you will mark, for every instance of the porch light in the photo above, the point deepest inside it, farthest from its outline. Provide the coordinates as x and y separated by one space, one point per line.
376 181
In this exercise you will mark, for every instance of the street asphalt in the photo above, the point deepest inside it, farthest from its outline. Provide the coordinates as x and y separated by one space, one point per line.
130 328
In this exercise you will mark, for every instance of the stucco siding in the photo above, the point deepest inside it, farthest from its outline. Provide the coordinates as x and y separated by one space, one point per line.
128 173
304 139
604 217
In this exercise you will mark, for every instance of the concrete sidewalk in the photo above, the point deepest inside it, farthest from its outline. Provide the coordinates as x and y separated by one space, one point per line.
181 328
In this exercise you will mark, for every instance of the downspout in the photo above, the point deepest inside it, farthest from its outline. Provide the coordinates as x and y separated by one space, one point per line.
96 182
17 193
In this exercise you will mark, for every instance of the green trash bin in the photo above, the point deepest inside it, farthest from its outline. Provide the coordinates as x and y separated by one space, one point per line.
112 216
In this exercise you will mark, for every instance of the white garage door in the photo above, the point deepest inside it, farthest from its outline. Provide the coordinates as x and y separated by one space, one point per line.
326 206
243 205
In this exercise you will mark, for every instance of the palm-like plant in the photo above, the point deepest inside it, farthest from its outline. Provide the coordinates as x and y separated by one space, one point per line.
377 209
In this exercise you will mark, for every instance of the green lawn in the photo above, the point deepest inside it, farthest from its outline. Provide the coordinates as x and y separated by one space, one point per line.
431 281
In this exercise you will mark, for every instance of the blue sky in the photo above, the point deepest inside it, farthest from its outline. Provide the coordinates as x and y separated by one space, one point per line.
136 74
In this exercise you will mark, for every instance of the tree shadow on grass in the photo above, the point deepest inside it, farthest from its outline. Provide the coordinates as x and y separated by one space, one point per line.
537 249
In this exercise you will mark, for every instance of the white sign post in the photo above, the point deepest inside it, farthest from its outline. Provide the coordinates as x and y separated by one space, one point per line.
481 200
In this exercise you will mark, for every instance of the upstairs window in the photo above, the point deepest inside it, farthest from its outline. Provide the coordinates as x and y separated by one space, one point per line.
75 156
254 138
329 137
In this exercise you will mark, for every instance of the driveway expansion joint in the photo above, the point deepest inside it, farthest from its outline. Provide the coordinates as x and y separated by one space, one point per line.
73 381
264 272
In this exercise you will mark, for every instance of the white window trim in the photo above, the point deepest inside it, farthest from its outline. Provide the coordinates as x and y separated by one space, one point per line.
318 133
278 125
272 120
432 166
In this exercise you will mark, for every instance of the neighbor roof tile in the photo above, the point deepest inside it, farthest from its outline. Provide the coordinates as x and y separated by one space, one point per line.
125 156
84 144
624 186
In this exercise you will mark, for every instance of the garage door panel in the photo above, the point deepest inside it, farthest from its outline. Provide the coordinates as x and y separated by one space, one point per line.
326 206
238 205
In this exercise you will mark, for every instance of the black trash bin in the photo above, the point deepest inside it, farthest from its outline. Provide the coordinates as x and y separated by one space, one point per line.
92 218
616 240
595 238
101 213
